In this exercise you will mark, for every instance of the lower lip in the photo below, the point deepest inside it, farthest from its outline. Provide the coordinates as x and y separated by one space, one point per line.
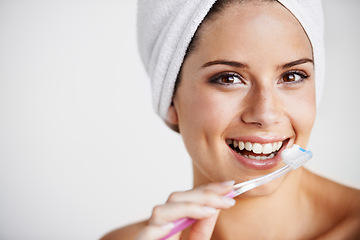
258 164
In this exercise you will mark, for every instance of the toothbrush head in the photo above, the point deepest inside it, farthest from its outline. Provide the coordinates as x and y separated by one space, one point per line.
296 156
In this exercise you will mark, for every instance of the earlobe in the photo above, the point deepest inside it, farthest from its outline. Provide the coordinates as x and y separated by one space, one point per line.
172 117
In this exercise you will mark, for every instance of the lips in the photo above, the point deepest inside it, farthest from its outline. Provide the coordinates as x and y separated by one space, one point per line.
257 155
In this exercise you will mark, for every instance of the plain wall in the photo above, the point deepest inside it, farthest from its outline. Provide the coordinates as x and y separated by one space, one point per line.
81 151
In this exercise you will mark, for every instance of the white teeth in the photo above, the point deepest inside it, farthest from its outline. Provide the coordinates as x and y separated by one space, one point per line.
241 145
274 147
260 157
257 148
248 146
267 148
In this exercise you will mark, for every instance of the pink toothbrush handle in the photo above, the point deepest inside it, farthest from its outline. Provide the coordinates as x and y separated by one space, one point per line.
183 223
180 225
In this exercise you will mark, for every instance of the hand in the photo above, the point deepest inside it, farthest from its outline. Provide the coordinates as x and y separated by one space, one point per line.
202 203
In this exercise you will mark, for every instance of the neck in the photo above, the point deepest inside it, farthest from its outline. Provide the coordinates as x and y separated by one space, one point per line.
266 208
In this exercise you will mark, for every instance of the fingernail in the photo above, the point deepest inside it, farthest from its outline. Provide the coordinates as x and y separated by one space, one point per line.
209 209
228 201
228 183
168 226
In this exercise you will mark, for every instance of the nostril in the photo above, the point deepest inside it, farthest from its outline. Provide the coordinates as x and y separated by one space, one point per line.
262 120
248 120
262 113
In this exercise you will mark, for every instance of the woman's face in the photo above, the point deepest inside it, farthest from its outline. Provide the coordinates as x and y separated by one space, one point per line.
249 83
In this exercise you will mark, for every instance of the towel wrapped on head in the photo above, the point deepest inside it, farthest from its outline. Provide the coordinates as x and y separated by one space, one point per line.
166 27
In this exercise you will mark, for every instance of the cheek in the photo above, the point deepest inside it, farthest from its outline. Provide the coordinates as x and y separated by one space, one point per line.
203 117
201 111
302 115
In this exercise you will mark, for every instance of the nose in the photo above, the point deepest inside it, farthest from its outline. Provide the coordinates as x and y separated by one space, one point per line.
262 108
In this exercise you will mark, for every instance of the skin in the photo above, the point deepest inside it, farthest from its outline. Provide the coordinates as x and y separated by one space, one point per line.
260 106
267 101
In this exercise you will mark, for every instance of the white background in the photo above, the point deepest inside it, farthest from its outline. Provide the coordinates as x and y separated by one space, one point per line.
81 151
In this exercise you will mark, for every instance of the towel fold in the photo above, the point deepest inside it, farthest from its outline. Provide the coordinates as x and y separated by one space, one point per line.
166 27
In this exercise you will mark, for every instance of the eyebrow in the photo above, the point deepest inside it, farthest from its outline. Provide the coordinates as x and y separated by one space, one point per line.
243 65
297 62
225 62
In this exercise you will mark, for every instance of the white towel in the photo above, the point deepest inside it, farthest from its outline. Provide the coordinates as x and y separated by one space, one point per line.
166 27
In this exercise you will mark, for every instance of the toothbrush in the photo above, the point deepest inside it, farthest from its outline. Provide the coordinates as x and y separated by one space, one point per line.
294 158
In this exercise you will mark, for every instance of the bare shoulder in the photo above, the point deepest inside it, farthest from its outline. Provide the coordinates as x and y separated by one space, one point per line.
127 232
348 201
338 206
339 196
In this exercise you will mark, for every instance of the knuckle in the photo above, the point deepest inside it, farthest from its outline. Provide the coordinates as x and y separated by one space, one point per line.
173 196
156 212
189 206
208 192
210 197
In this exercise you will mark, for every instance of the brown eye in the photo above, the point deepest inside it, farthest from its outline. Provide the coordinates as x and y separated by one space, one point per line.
226 79
294 77
230 79
291 77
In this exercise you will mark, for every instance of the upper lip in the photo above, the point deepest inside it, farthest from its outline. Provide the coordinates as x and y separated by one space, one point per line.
257 145
261 140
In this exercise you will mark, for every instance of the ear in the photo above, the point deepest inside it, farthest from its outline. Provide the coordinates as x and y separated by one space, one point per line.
172 117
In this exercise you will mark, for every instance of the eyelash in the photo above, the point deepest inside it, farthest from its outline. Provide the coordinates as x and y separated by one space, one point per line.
302 75
221 76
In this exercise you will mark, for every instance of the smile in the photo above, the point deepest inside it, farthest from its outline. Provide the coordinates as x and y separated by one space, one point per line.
255 151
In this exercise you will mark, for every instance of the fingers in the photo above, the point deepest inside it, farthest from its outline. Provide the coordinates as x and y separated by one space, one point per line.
201 203
219 188
202 230
198 203
173 211
210 194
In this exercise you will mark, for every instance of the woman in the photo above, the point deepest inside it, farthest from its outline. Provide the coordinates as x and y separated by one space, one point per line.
251 77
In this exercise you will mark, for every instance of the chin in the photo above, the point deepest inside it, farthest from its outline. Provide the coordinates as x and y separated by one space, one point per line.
265 190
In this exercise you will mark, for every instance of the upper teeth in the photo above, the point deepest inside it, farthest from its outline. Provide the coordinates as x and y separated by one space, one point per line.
257 148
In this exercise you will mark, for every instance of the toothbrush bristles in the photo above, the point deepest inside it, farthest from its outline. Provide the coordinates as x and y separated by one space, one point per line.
295 156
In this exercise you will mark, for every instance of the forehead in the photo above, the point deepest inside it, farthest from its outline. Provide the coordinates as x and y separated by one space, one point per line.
253 27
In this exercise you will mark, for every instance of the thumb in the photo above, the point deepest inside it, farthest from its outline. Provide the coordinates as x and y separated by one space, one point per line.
203 229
